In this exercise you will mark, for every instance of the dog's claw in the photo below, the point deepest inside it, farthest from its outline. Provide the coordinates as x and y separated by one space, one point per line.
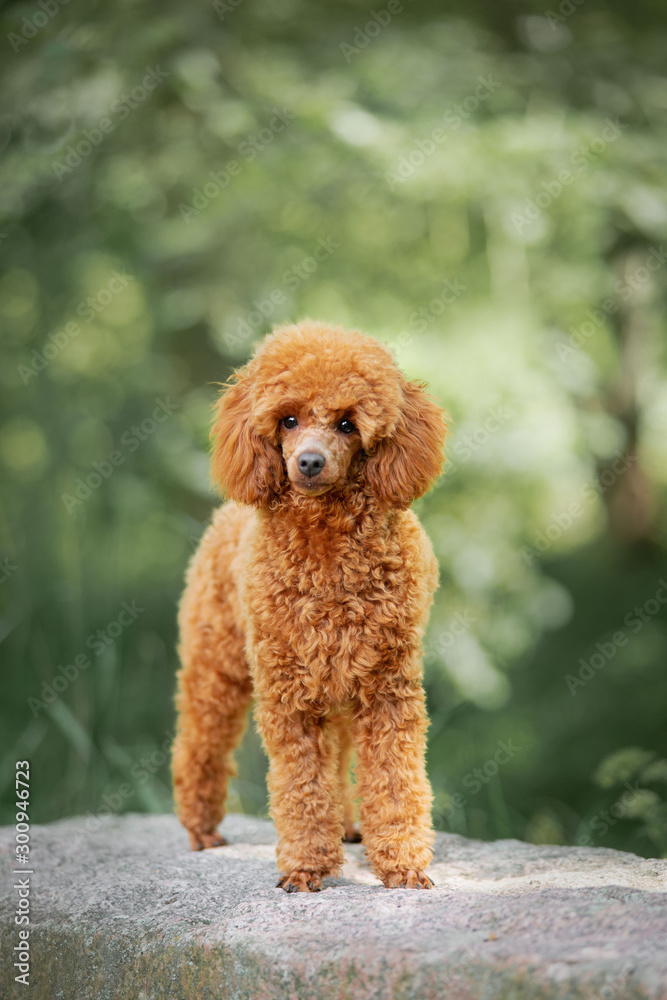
300 881
202 841
407 878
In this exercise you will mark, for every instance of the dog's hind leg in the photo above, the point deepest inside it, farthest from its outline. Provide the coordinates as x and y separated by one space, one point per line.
343 727
214 687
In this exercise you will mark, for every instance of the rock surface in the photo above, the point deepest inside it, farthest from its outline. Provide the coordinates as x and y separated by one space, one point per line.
127 912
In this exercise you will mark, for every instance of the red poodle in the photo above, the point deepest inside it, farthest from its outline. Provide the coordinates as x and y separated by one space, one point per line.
310 591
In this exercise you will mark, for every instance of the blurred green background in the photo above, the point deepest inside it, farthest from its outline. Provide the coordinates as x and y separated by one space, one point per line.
482 185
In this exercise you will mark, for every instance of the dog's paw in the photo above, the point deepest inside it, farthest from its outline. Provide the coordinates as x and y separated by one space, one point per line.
407 878
352 834
298 881
200 841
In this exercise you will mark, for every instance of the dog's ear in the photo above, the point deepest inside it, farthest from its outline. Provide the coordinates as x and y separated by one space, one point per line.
403 466
247 466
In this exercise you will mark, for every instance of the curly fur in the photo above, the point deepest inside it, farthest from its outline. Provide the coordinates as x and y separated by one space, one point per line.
314 600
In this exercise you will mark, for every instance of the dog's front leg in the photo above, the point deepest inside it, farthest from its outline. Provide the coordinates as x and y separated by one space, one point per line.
304 801
389 735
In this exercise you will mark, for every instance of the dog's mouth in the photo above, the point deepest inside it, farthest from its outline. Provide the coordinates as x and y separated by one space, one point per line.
311 487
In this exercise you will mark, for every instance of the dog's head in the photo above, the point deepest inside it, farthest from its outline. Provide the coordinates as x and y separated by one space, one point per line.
318 406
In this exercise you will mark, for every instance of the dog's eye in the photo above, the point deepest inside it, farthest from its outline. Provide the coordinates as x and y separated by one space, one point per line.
346 427
289 422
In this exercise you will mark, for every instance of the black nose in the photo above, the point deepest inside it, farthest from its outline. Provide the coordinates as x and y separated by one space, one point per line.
311 463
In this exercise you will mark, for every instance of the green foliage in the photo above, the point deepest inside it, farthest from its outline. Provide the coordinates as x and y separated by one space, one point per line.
630 772
482 187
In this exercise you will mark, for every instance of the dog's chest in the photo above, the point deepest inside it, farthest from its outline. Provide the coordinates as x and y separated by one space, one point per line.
337 568
327 607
